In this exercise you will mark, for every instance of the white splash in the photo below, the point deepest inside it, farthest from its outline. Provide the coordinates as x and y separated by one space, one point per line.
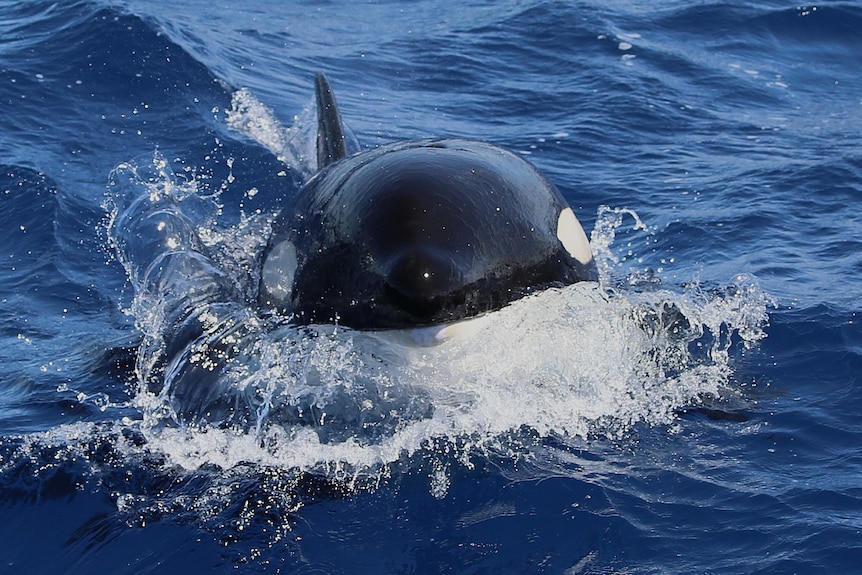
221 384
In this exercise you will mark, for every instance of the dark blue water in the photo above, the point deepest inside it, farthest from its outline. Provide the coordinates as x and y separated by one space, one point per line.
694 413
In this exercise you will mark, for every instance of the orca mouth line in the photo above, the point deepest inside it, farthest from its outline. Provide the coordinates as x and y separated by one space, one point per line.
394 309
423 311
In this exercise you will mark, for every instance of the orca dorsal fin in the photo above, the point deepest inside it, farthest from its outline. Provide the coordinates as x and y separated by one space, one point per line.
331 145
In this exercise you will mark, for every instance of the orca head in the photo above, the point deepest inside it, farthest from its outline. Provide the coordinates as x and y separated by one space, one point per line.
420 233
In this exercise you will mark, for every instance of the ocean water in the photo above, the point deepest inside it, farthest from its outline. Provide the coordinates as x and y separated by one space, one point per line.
694 412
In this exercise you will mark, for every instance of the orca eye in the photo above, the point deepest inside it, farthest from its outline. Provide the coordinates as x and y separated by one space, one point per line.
571 234
423 274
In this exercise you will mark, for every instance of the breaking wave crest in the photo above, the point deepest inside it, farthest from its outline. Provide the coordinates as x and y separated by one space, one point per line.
219 382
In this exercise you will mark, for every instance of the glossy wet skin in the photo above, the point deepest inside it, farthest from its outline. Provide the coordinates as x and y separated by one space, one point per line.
421 233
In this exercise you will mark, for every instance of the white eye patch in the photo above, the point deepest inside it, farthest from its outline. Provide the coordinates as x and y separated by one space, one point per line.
279 270
571 234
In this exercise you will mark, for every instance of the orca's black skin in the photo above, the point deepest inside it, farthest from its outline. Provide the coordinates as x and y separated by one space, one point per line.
415 233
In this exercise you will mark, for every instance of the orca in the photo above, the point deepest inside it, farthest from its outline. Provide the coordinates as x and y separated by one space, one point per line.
417 233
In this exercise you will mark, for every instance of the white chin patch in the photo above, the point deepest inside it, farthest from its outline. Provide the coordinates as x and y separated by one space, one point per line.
279 270
434 334
571 234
